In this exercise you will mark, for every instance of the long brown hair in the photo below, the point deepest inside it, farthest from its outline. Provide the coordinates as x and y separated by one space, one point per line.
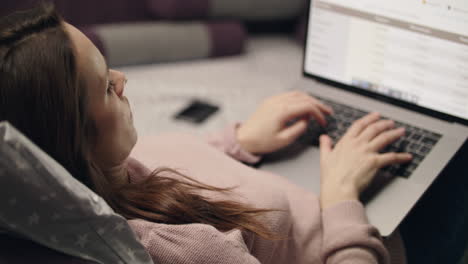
41 95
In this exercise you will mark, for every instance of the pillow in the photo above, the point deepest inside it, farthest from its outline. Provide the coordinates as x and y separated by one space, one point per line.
87 12
151 42
252 10
43 203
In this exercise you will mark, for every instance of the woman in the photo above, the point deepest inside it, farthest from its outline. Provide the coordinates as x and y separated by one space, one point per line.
57 89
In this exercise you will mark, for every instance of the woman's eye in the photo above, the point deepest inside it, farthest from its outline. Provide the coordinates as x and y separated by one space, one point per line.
110 87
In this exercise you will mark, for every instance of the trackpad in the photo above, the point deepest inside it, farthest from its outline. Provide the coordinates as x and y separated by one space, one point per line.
299 164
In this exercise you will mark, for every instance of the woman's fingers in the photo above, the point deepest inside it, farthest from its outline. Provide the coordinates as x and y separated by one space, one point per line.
358 126
307 106
296 96
390 158
304 109
376 129
325 108
294 131
386 138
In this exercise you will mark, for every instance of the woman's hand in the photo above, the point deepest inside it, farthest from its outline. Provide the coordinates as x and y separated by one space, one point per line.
267 130
348 168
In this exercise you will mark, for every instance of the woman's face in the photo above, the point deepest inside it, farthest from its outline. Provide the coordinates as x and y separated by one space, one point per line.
109 108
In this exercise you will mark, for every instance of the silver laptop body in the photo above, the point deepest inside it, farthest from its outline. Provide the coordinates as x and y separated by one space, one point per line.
408 61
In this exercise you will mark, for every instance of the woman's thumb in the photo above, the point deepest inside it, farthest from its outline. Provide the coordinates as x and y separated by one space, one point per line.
326 145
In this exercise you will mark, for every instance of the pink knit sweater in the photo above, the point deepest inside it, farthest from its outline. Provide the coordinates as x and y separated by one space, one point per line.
340 234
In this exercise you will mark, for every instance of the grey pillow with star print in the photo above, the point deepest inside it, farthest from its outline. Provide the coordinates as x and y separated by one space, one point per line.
42 202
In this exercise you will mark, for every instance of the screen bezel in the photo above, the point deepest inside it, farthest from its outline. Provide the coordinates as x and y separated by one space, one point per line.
377 96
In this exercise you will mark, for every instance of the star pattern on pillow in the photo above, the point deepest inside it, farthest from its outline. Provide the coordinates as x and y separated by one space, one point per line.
101 231
82 240
119 227
34 219
54 239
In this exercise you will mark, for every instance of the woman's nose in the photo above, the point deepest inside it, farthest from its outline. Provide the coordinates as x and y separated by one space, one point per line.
120 81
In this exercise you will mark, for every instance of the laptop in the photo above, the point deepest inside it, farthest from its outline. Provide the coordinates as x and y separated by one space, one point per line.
407 60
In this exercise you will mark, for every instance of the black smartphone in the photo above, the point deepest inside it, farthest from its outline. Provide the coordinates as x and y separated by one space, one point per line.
197 111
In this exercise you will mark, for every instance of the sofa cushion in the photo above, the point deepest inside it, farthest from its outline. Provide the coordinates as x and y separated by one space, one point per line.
251 10
43 203
155 42
87 12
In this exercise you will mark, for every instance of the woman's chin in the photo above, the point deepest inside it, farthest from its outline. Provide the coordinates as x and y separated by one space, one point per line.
134 135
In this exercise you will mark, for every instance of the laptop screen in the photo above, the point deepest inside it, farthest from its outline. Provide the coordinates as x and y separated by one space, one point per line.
411 50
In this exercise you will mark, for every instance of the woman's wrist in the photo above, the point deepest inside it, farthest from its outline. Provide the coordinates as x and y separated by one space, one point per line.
329 198
245 142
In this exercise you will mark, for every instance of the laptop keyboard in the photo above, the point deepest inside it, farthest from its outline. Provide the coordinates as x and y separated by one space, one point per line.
416 141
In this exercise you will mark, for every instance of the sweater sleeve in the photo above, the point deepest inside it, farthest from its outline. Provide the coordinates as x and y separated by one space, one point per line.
349 238
192 243
226 141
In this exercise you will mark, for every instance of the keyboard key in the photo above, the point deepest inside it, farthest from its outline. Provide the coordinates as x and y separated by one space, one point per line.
413 147
406 174
417 158
429 140
402 170
402 146
424 150
411 167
